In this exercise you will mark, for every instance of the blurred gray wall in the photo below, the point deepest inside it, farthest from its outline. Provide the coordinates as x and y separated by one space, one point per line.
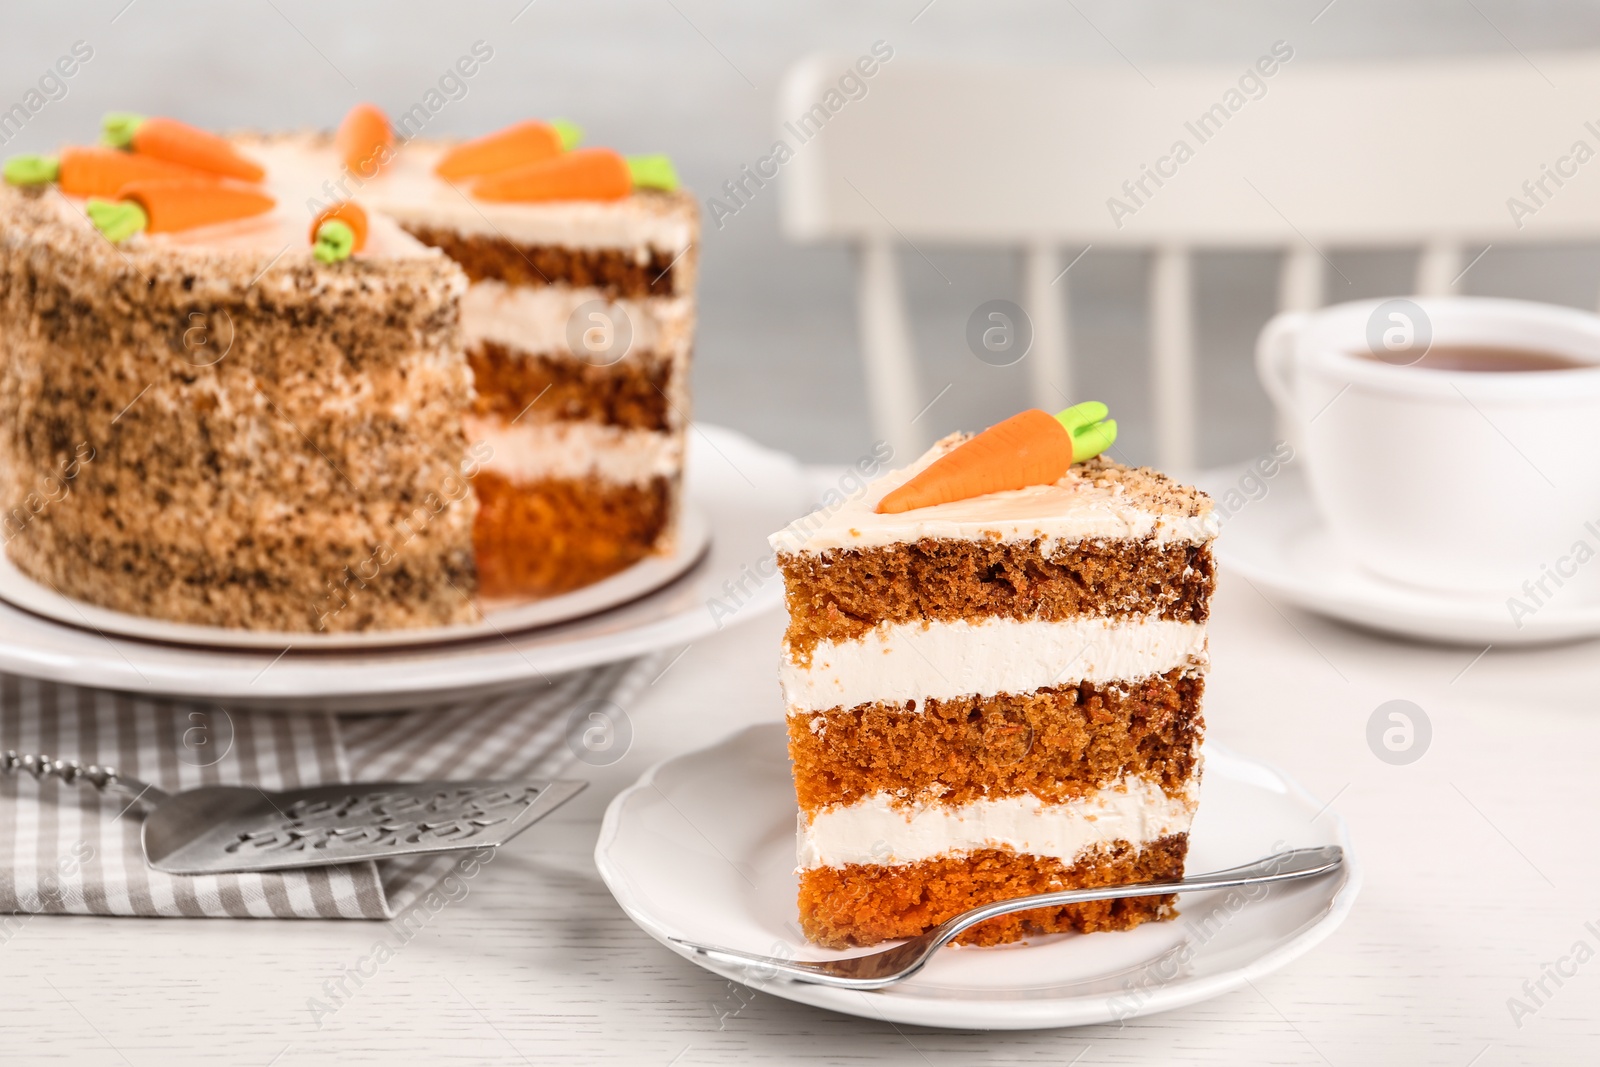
699 79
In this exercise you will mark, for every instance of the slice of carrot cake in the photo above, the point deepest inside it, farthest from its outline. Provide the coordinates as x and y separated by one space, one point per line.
996 695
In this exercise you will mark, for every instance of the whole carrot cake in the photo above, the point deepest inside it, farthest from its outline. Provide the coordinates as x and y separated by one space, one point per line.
995 696
339 382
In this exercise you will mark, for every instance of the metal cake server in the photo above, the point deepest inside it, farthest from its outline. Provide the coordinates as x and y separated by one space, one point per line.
875 970
225 828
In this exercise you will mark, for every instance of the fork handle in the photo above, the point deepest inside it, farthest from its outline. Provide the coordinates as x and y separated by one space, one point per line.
75 772
887 967
1281 867
904 960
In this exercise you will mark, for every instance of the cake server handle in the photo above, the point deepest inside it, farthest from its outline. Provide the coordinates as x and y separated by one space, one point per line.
73 772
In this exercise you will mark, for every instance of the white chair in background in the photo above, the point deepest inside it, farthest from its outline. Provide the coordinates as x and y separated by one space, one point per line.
1421 154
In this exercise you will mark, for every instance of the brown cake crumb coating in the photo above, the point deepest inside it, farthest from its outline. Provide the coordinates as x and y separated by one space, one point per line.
554 535
866 904
842 594
631 394
276 444
1056 744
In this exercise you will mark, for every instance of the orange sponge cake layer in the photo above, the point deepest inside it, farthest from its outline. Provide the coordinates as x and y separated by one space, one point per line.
843 594
617 271
555 535
995 697
512 384
863 904
1056 744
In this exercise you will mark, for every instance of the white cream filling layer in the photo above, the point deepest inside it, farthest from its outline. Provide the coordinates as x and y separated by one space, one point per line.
876 830
896 663
540 319
529 451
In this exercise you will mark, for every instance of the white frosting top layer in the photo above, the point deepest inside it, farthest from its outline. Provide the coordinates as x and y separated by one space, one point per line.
305 174
1087 504
879 830
538 320
897 663
297 169
528 451
409 191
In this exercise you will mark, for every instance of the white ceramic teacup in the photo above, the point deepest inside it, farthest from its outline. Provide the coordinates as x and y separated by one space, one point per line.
1466 481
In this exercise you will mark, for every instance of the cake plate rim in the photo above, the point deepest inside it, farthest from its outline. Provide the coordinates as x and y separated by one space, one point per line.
640 579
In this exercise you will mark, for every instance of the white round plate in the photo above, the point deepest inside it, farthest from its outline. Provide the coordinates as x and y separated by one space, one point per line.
646 576
703 848
1281 544
744 491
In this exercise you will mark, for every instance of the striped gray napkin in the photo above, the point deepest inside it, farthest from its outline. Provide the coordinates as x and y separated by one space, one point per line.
68 849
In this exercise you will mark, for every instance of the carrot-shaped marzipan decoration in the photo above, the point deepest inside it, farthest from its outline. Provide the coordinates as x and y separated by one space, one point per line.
365 140
339 232
178 142
1032 448
582 174
163 206
517 145
94 170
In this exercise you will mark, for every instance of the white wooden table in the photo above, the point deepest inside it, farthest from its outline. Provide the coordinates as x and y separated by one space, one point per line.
1480 861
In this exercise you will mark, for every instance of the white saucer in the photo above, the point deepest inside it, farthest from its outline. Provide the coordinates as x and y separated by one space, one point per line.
703 848
644 577
744 491
1283 547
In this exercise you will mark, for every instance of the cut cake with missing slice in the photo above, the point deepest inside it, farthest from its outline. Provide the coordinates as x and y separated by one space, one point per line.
995 697
487 402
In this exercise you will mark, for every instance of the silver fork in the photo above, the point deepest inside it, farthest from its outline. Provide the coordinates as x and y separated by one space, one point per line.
888 966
